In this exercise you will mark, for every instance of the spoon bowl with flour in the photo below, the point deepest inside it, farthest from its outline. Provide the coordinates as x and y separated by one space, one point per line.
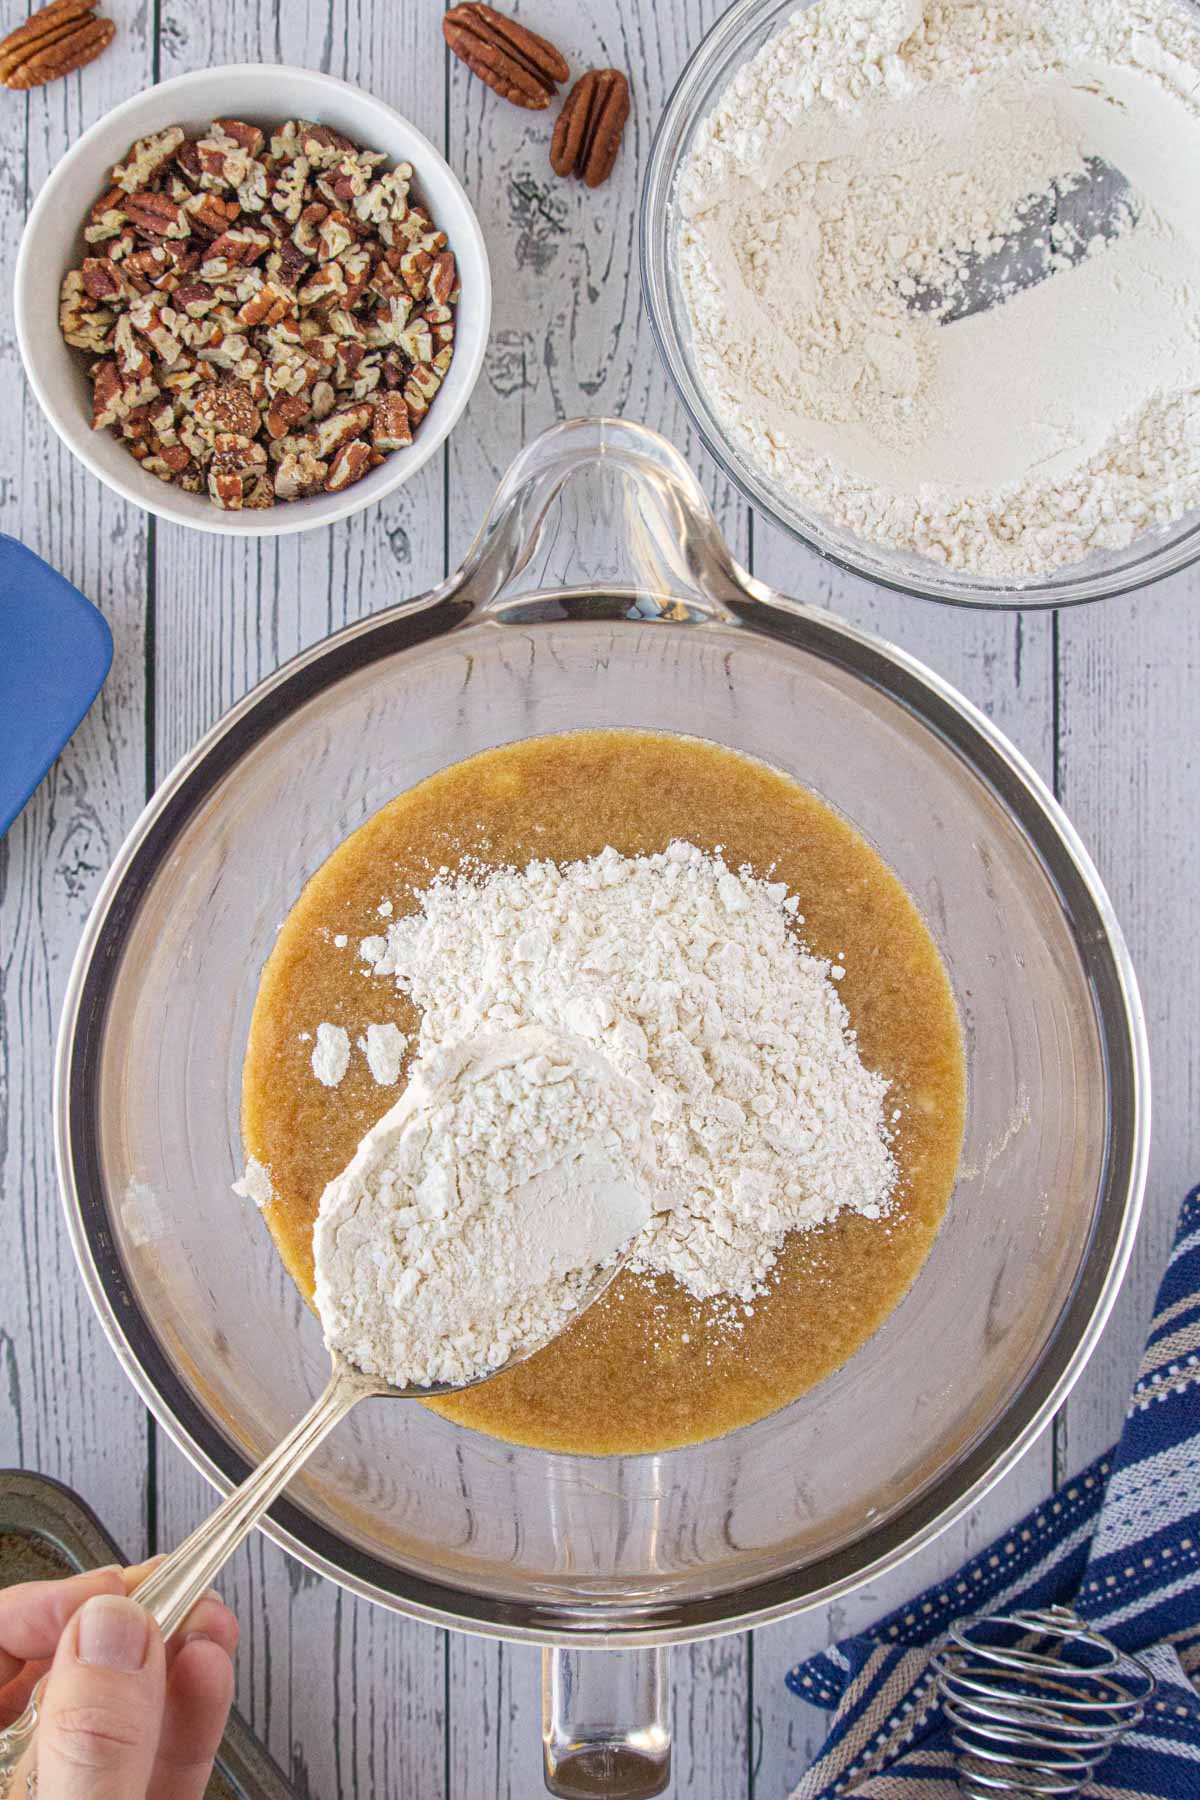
491 1205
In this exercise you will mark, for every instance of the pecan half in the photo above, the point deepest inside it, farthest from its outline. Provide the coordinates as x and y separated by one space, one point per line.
56 40
587 132
515 62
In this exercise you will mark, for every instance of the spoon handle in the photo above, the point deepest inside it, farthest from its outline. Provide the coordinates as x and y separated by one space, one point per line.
171 1590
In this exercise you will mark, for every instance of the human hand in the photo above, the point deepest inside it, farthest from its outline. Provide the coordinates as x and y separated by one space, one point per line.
121 1718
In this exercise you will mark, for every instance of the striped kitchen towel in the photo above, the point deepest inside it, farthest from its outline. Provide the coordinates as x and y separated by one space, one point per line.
1120 1543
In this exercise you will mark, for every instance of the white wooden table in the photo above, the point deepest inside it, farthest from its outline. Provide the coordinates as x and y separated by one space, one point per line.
354 1701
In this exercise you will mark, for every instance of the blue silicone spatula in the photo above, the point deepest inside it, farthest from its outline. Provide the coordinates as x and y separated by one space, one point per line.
55 650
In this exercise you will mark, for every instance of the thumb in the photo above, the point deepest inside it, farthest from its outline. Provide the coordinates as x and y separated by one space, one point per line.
102 1710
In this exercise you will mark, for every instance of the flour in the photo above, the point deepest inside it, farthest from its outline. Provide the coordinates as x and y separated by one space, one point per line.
835 204
255 1184
384 1047
331 1054
475 1215
688 977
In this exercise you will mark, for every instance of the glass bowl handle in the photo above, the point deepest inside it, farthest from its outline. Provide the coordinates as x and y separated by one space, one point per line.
601 508
605 1726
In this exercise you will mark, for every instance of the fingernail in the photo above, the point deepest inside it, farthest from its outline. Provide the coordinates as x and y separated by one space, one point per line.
113 1634
198 1637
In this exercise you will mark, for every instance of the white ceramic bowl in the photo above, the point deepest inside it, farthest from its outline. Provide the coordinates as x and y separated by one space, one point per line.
53 242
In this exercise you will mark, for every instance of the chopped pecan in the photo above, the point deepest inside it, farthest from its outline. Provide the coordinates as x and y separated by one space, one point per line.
390 427
249 137
56 40
209 214
386 198
195 298
271 303
224 161
113 398
306 236
419 391
348 466
287 196
325 286
159 324
285 413
234 249
443 278
515 62
156 215
356 271
132 359
226 408
254 190
147 159
416 341
106 218
334 237
416 266
85 326
321 145
237 466
299 472
102 279
587 132
153 262
339 428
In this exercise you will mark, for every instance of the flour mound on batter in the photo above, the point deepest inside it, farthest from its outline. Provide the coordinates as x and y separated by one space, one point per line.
689 978
473 1218
836 201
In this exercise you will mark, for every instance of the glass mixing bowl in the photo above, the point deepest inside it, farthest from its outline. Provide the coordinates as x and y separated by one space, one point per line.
599 593
733 41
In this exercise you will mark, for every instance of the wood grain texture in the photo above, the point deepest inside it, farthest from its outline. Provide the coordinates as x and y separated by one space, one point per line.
1128 774
65 1408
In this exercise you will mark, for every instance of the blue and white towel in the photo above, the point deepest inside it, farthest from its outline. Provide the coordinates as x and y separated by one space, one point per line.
1120 1543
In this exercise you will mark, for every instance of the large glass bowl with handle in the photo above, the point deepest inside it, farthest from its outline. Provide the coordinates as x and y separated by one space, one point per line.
600 593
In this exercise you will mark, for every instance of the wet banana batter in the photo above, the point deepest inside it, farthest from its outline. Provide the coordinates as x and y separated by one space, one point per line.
649 1367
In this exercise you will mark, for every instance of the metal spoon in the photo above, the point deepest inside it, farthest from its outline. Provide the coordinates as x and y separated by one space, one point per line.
171 1590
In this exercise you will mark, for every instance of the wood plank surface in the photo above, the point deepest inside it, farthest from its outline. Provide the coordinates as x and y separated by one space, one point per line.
65 1407
1128 707
352 1699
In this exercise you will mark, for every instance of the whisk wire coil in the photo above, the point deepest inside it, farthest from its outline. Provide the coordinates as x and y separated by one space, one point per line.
1035 1701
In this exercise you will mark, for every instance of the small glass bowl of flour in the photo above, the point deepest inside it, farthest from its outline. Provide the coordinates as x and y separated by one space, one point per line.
927 277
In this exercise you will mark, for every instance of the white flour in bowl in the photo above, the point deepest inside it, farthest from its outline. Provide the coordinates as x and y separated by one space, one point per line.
849 185
690 980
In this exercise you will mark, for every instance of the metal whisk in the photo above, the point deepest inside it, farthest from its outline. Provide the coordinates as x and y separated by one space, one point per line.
1036 1700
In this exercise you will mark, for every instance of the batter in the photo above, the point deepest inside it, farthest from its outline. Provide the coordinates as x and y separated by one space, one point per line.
649 1367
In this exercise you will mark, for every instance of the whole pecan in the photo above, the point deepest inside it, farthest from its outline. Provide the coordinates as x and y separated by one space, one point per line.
56 40
587 132
515 62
